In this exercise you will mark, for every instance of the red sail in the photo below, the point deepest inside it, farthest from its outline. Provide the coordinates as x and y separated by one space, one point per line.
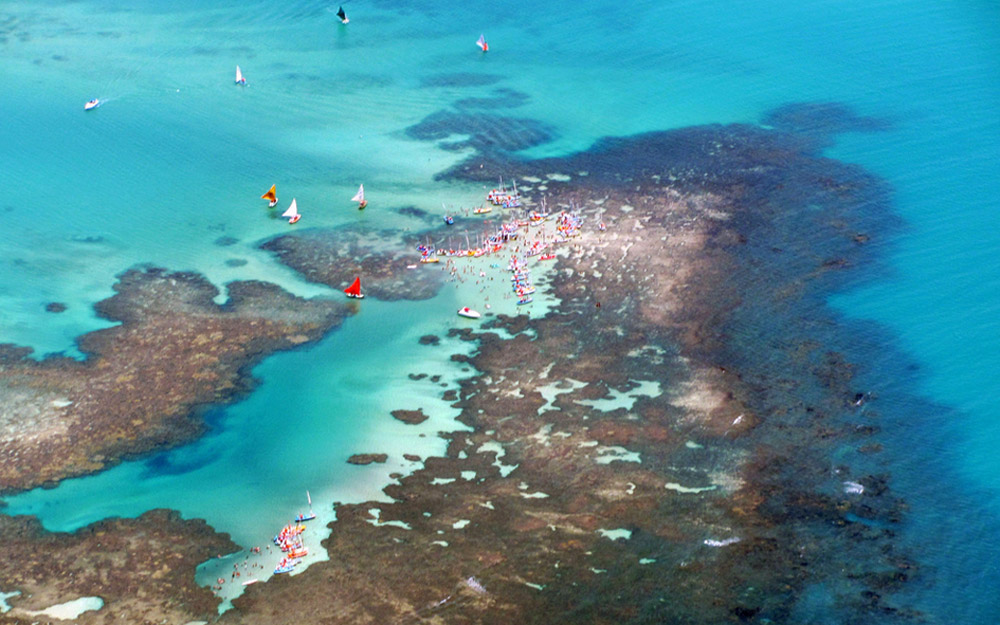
355 288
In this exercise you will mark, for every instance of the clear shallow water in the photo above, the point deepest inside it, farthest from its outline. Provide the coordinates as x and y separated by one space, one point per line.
178 156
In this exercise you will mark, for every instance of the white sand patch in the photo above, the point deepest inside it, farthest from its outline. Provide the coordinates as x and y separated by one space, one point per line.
615 534
598 571
699 396
625 208
626 400
559 177
531 179
497 448
443 543
538 495
549 392
728 482
686 489
693 445
535 586
61 403
488 505
647 560
442 480
542 435
607 455
468 475
71 609
853 488
722 543
588 444
377 521
461 523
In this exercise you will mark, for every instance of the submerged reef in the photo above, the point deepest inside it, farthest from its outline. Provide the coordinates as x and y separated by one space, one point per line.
142 382
678 441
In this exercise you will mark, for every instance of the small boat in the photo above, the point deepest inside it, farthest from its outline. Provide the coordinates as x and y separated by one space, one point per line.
309 516
359 197
283 567
354 291
524 300
482 44
448 219
482 210
292 213
240 80
298 553
465 311
342 15
250 581
93 104
270 195
546 257
430 259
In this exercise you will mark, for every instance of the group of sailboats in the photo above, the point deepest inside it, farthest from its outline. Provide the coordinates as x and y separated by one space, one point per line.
292 212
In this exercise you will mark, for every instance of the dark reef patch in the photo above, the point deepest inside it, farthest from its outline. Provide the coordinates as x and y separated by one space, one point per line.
55 307
821 121
412 417
413 211
226 241
500 99
460 80
363 459
485 133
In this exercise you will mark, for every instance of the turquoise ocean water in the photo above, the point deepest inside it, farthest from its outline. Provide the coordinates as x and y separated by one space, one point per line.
178 155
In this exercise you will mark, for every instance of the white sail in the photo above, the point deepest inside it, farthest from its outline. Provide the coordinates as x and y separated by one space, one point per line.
360 195
310 499
239 76
292 212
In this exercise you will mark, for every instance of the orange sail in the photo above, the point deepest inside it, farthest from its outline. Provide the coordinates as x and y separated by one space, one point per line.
355 289
270 195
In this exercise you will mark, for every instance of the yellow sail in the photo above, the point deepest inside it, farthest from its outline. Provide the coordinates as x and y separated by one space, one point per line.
270 194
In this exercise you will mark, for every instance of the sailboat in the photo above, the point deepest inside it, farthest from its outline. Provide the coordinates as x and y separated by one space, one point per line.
355 289
308 516
240 80
342 15
292 213
359 197
485 47
273 199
